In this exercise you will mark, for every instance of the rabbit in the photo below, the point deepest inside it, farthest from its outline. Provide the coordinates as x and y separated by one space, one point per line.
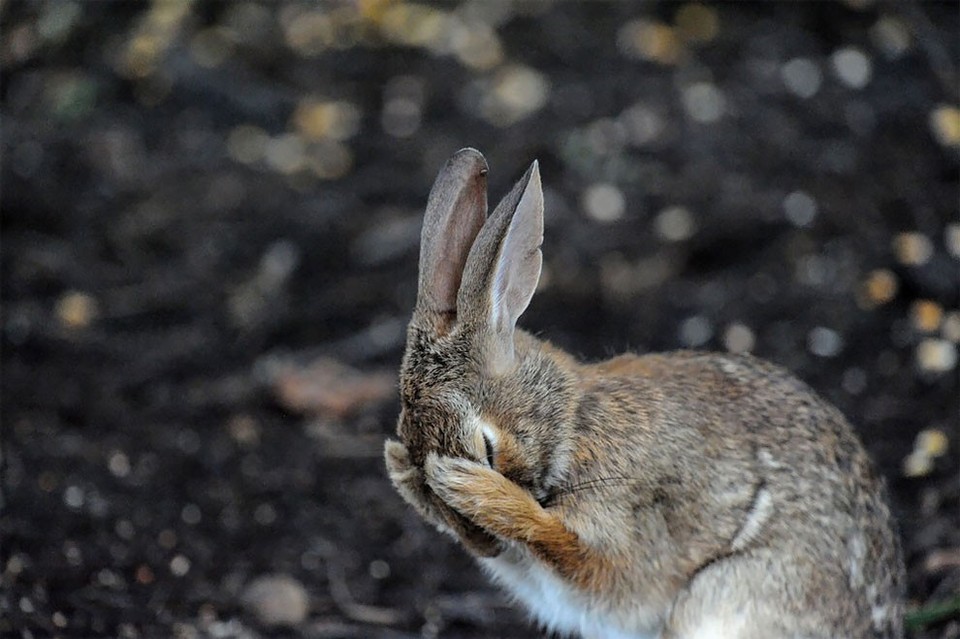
679 495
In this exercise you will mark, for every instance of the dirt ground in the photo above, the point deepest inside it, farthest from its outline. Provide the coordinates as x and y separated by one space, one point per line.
210 219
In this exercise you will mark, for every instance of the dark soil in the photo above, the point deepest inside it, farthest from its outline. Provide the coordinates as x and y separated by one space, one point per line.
206 276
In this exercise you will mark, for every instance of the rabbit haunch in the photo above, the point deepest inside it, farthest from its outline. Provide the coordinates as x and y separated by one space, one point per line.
665 495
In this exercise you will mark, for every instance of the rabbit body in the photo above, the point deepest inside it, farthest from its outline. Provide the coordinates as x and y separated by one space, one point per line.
670 495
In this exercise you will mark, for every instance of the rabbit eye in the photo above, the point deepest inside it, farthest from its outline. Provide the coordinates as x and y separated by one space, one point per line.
488 448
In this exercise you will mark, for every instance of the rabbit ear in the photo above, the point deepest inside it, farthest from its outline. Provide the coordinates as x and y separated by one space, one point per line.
503 269
456 210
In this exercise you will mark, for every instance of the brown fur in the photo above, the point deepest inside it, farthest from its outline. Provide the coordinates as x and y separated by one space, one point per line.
704 486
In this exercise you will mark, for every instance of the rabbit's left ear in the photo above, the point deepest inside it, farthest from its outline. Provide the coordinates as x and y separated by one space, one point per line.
455 213
503 269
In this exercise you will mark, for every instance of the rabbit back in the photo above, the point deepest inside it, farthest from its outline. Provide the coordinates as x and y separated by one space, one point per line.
762 488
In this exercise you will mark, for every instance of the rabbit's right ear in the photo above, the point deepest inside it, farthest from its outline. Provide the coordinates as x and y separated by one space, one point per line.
503 270
456 210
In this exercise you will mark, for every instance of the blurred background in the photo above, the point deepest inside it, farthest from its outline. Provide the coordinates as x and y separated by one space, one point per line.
210 226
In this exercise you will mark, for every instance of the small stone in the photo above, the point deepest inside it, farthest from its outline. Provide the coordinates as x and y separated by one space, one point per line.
330 159
401 117
191 514
704 102
179 566
76 310
824 342
675 224
265 514
697 22
942 560
926 315
119 464
74 497
917 464
276 600
246 143
124 529
854 380
950 327
880 287
649 40
379 569
802 77
936 355
738 338
912 248
476 45
72 553
945 125
57 20
416 25
15 565
891 36
852 67
695 331
59 620
167 538
642 123
815 270
515 92
403 98
244 430
933 442
183 630
604 203
108 578
285 153
144 574
320 119
952 239
211 47
47 481
800 208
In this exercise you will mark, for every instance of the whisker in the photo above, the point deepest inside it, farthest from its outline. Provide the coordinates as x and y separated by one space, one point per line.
600 482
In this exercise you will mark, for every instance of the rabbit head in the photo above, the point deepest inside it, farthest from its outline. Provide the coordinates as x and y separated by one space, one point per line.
472 385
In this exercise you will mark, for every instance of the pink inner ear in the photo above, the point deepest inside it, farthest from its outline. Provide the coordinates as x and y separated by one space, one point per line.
519 260
459 235
456 211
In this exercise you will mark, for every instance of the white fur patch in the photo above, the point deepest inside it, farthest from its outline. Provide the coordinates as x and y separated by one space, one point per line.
879 615
730 367
759 515
556 605
719 628
490 432
765 457
857 549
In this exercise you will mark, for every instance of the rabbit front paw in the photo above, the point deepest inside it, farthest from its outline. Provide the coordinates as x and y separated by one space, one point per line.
410 482
493 502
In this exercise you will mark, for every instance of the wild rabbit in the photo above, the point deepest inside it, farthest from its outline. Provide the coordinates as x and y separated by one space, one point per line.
671 495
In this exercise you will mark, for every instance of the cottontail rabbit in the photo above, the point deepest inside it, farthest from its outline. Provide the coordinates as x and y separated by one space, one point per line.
674 495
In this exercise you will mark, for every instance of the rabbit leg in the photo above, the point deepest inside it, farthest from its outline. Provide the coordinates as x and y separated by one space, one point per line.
496 504
409 482
756 597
